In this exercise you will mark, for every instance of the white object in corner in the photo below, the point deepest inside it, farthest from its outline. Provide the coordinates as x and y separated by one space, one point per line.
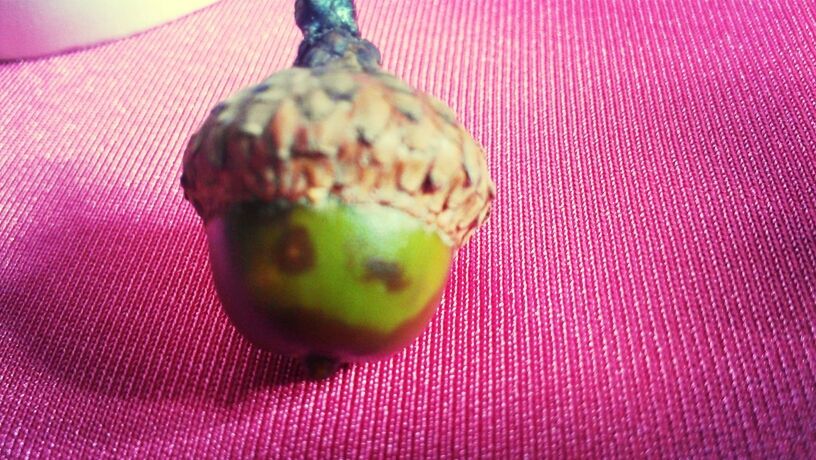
31 28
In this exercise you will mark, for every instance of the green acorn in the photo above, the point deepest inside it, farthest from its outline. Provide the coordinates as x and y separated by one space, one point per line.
333 197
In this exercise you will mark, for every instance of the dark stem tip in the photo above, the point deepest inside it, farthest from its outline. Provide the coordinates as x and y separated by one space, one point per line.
319 367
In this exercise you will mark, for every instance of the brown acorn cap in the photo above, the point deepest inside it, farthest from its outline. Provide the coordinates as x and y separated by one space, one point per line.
363 137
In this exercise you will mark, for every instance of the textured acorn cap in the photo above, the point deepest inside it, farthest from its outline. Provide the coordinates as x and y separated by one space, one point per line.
362 137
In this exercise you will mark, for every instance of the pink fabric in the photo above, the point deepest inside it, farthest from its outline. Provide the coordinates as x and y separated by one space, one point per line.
645 287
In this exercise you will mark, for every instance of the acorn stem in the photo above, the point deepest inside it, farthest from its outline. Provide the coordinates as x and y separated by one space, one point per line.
316 17
331 34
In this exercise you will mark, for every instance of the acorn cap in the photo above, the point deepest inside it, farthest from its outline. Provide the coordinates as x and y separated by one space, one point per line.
361 137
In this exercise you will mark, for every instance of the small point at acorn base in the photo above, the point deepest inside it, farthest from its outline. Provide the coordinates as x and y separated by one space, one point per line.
319 367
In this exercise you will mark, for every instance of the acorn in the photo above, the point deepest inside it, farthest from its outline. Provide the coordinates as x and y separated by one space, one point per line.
334 196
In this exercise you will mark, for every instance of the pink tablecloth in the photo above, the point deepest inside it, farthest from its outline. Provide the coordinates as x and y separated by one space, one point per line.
645 287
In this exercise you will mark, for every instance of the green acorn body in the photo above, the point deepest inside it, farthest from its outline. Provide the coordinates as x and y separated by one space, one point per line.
333 197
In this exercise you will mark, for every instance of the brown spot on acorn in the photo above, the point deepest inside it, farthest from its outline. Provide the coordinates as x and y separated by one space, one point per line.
389 273
294 253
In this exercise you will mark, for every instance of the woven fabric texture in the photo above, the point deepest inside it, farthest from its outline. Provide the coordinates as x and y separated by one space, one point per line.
646 285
